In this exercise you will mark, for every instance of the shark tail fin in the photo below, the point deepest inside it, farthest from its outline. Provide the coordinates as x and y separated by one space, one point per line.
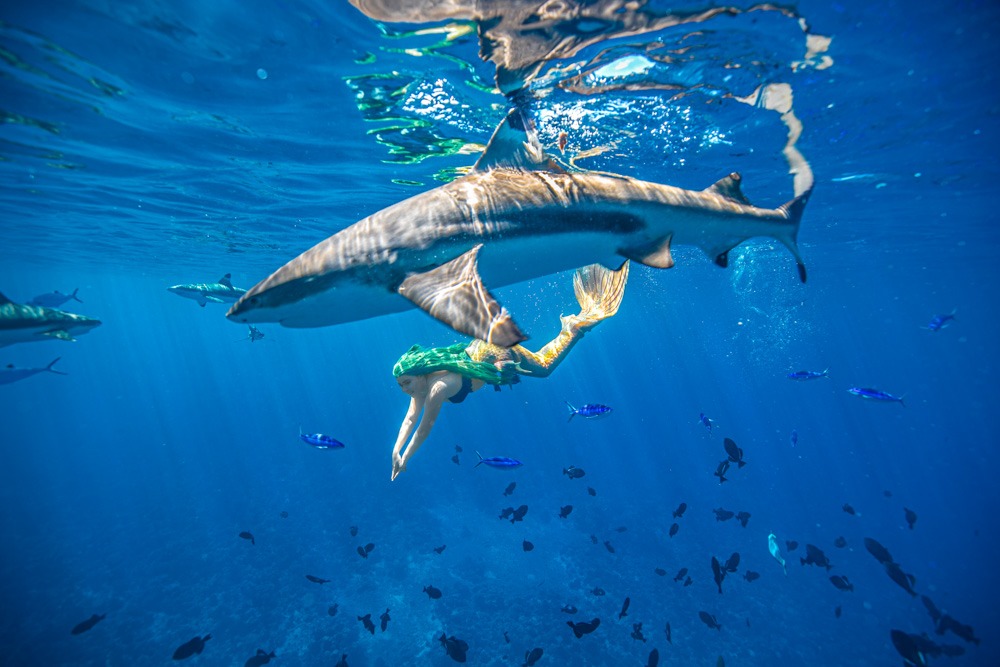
53 363
572 410
75 297
480 460
599 290
793 210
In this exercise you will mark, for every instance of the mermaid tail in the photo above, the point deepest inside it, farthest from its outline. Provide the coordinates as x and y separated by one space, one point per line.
599 291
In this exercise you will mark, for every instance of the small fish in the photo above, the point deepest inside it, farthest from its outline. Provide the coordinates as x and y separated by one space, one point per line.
366 621
83 626
585 628
794 437
564 511
911 517
439 550
247 535
723 514
506 513
791 545
679 512
709 620
362 552
599 592
610 547
519 513
815 556
317 580
253 336
718 574
937 322
660 572
750 576
673 530
681 573
706 422
904 580
931 609
840 542
456 648
637 634
332 609
343 661
809 375
432 593
591 491
876 395
458 449
687 582
837 611
720 472
506 637
654 658
262 657
588 411
532 656
568 609
880 553
743 517
960 630
850 510
593 539
510 489
191 647
527 546
497 462
573 472
621 529
735 453
906 646
841 583
57 298
732 563
384 618
354 531
669 633
320 441
772 546
284 515
454 459
624 612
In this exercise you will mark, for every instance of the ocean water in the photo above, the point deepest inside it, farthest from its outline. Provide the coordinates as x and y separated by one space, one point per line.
148 144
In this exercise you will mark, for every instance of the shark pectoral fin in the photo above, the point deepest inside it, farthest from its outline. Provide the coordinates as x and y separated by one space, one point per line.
61 334
655 254
454 294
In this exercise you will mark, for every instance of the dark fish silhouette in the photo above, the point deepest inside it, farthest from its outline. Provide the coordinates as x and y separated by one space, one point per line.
880 553
679 512
911 517
721 471
317 580
905 581
454 647
497 461
591 491
284 515
573 472
750 575
610 547
734 452
454 459
343 661
588 411
593 539
718 574
815 556
709 620
931 609
362 552
565 511
506 637
332 609
519 513
384 618
791 545
191 647
841 583
83 626
961 630
532 656
637 633
568 609
599 592
584 628
743 517
654 658
687 582
440 549
840 542
681 573
510 489
246 535
506 512
660 571
320 440
732 562
850 510
723 514
458 448
354 531
669 633
262 657
527 546
432 593
624 612
673 530
906 646
837 611
366 620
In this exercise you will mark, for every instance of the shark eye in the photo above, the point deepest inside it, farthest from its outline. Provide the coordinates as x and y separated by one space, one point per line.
254 301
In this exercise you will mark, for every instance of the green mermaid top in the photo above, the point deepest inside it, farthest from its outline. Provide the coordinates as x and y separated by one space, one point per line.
454 358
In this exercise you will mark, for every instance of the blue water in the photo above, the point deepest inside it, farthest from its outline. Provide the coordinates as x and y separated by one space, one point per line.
149 144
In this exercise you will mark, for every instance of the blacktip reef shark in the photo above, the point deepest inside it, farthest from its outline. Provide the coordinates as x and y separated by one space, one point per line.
518 215
20 323
220 292
11 374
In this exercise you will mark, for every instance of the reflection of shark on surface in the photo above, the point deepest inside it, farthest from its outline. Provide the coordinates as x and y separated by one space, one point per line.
220 292
517 216
21 323
54 299
11 374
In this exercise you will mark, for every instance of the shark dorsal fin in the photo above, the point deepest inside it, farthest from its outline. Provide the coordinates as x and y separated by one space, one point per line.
227 280
729 188
4 300
515 145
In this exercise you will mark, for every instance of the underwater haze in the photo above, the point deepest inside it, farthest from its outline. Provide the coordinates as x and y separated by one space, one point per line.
151 144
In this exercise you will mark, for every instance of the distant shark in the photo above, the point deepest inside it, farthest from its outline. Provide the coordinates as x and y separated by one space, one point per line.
220 292
21 323
518 215
54 299
11 374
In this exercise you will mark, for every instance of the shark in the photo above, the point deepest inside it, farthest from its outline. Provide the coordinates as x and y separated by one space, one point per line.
54 299
218 292
518 215
21 323
11 374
